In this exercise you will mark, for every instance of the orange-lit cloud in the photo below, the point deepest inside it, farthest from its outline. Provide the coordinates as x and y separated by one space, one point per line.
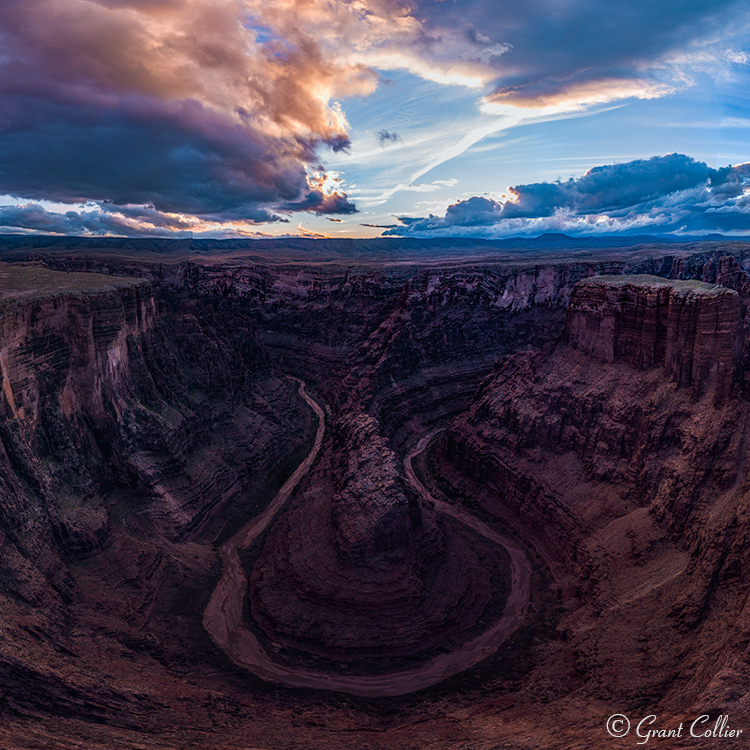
571 96
220 112
569 55
213 109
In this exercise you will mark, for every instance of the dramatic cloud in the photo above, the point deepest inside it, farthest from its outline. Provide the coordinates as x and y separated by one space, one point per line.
195 106
97 222
214 109
221 111
571 54
662 194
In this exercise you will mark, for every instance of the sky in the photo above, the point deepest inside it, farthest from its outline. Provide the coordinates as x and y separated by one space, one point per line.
432 118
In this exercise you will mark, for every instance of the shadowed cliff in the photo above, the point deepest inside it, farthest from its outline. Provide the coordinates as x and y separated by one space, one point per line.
619 453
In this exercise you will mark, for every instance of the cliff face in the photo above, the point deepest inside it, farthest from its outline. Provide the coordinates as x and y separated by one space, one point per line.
75 342
67 364
99 392
618 452
129 434
690 329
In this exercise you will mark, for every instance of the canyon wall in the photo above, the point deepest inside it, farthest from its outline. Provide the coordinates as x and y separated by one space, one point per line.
618 453
68 366
602 423
691 329
433 329
101 392
131 437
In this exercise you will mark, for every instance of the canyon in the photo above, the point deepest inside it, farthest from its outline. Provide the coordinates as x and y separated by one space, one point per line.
382 495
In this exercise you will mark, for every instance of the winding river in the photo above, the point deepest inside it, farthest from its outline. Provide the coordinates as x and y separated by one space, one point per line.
223 615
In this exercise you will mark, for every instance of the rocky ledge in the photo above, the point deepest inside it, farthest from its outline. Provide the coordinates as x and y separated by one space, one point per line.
691 329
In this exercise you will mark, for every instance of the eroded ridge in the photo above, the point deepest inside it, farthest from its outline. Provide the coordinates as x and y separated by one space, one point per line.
305 583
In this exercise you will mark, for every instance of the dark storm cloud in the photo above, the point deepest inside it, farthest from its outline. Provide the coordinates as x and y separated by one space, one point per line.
151 159
169 103
587 50
323 203
664 193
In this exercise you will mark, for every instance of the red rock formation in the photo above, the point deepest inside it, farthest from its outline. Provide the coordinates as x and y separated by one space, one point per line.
630 484
98 391
691 329
120 438
359 576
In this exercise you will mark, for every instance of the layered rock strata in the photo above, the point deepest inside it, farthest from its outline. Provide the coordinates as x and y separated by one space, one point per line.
99 392
691 329
629 483
359 576
456 317
129 433
63 353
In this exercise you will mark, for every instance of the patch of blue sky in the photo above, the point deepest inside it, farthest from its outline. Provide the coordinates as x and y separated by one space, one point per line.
449 150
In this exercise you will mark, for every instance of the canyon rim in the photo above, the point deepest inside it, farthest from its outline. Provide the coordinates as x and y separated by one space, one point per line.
308 494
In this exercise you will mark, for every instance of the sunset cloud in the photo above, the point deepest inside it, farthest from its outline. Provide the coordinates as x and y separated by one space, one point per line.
125 222
226 112
179 104
212 109
582 52
571 95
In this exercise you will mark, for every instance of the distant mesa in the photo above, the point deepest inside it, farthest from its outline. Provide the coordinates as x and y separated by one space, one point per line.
554 236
